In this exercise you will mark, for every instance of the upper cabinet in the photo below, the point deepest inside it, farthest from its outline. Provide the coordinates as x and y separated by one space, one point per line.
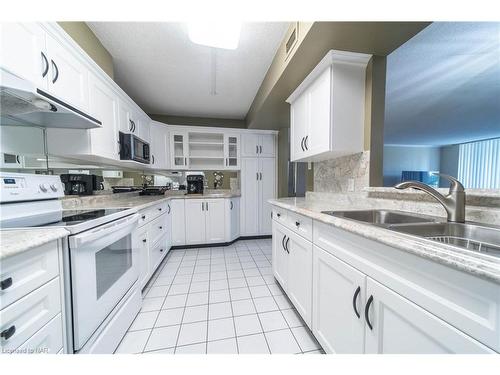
160 155
232 151
257 145
327 110
132 121
179 149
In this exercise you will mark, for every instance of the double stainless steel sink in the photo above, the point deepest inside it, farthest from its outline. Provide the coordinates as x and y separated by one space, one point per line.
470 236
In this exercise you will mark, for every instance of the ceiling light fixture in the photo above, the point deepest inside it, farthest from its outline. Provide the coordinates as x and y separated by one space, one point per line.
215 34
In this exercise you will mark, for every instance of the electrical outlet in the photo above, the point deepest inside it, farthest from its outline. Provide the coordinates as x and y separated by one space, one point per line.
350 184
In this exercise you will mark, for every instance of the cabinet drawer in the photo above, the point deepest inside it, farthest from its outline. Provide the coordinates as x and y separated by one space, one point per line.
48 340
157 253
151 213
27 272
279 214
157 228
300 224
30 313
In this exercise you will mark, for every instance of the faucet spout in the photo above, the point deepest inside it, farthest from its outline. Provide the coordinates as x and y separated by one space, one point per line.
453 202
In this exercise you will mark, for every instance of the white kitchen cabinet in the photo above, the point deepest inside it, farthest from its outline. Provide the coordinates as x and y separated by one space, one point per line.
178 228
160 156
258 185
257 145
169 225
327 109
232 151
338 300
125 121
401 327
280 255
195 221
179 151
23 52
232 219
68 76
143 127
142 243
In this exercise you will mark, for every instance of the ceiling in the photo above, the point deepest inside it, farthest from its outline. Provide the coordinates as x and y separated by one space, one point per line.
165 73
443 86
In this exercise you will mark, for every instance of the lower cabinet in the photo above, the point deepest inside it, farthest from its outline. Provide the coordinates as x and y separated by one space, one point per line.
178 223
232 219
141 240
292 267
205 221
352 313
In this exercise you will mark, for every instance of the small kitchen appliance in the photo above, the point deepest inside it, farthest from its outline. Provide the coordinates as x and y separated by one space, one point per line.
195 183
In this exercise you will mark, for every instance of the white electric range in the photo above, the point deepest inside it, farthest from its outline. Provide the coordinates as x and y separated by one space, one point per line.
101 268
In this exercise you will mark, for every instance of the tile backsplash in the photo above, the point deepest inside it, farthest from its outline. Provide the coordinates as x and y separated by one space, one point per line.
333 176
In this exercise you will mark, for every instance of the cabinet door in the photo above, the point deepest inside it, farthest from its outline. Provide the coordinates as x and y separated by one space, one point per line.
215 220
178 150
142 243
103 106
159 146
235 217
178 222
126 124
23 52
298 127
267 182
318 132
280 255
68 76
169 225
300 269
402 327
143 127
195 221
249 209
232 151
336 304
249 144
266 145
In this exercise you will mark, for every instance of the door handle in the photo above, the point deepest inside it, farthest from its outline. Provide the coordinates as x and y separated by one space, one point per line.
286 245
283 242
207 205
202 206
168 208
305 142
46 64
257 176
302 144
153 158
54 78
260 175
231 204
354 299
260 149
367 310
256 149
185 161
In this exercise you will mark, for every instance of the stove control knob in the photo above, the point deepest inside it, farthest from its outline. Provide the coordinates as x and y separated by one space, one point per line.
53 187
43 187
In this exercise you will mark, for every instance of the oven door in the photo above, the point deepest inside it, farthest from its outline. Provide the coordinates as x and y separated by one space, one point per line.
104 266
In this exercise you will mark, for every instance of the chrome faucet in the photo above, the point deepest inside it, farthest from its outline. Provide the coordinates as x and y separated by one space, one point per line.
453 202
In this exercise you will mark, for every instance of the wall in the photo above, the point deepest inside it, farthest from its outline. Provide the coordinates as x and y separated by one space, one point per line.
333 176
87 40
408 158
199 121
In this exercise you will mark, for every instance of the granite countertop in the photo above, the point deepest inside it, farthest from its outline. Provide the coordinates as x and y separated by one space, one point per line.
468 261
15 241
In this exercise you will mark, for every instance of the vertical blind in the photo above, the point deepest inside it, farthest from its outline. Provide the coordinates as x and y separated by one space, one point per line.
479 164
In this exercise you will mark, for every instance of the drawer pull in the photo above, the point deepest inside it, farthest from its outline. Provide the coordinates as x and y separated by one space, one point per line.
7 334
161 250
278 214
159 209
143 217
286 245
144 240
297 223
7 283
160 227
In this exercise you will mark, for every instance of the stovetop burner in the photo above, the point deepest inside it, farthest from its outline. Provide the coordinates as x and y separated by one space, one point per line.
74 217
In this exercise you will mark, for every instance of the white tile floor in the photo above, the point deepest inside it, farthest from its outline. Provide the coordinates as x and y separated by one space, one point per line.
218 300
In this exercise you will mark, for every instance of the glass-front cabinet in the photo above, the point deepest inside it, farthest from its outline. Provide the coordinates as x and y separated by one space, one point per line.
232 151
179 149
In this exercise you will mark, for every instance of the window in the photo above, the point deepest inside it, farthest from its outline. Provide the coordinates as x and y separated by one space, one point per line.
479 164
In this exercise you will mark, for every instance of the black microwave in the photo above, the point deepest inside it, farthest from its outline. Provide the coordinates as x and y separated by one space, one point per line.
133 148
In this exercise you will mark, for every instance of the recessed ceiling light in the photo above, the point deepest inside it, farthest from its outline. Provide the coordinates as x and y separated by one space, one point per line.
215 34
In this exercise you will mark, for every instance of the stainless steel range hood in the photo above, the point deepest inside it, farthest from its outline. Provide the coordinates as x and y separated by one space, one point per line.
21 103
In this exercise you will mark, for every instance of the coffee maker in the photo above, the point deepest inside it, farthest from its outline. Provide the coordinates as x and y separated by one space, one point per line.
195 183
81 184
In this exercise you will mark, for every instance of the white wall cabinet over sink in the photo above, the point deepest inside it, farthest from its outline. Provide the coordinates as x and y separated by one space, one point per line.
327 110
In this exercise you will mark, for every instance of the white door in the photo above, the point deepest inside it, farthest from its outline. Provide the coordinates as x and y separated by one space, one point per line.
249 209
159 142
338 301
235 217
140 238
126 124
68 76
298 118
232 151
215 220
299 284
267 182
318 130
249 145
280 255
143 128
195 221
266 145
104 107
178 150
401 327
178 222
23 52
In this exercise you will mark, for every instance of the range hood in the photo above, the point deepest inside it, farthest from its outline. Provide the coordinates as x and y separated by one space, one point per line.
21 103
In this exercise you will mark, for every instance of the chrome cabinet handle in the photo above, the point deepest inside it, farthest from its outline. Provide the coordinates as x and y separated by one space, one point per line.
54 78
367 310
354 299
46 64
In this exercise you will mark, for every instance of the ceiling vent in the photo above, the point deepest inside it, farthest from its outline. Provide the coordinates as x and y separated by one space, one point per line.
291 39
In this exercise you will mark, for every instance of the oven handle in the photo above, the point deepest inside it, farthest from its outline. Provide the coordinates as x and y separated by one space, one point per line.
102 231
